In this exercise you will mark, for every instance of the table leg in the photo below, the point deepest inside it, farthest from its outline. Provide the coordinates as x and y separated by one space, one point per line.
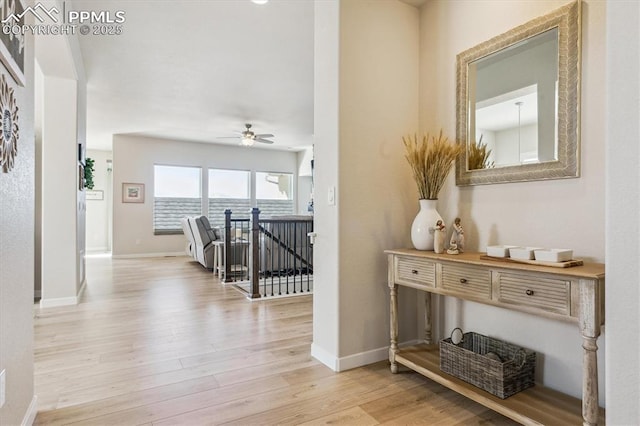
428 338
215 259
589 320
589 381
393 349
220 259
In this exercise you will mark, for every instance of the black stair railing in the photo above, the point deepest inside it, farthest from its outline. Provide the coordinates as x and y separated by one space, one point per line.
268 257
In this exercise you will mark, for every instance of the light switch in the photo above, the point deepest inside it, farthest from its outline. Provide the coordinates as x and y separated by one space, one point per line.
331 196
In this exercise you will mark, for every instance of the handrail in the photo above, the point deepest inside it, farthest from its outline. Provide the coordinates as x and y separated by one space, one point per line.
285 246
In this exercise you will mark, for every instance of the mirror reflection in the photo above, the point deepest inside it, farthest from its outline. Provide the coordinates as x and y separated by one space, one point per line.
513 103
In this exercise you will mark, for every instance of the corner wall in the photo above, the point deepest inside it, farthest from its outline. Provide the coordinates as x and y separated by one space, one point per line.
366 99
133 161
557 213
379 75
61 93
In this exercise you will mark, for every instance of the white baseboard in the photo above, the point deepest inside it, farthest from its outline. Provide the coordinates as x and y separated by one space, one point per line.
60 301
94 250
82 288
63 301
30 415
363 358
324 357
355 360
138 255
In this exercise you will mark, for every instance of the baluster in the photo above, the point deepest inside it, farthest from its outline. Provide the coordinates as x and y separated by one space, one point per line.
274 255
294 227
254 253
227 246
287 259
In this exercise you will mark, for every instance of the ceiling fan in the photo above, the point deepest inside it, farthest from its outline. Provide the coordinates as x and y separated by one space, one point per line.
248 137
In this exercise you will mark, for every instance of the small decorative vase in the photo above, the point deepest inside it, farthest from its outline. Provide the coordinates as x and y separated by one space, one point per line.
422 229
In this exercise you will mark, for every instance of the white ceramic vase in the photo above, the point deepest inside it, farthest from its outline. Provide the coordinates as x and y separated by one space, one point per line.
422 233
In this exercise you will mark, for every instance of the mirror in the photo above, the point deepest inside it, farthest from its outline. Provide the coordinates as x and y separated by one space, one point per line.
518 100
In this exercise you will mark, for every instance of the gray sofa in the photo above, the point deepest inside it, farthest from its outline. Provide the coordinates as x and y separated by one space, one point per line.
200 237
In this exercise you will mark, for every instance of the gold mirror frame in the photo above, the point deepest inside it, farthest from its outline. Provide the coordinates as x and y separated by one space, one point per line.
568 21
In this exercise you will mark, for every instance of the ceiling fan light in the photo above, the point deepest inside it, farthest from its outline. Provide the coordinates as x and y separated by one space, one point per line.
246 141
260 1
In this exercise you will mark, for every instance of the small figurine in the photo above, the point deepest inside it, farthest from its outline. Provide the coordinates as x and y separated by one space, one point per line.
457 236
453 248
439 236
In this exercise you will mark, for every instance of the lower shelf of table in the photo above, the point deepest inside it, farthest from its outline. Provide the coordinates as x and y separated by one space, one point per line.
534 406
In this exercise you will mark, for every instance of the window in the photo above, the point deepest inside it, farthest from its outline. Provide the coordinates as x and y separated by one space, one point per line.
176 194
274 193
228 189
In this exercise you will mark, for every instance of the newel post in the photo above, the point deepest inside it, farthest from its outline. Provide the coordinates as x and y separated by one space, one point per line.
227 246
254 250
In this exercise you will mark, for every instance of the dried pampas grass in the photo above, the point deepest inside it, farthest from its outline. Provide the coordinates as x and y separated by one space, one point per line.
478 156
430 162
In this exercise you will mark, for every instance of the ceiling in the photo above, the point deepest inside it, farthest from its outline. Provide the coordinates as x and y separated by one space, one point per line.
196 70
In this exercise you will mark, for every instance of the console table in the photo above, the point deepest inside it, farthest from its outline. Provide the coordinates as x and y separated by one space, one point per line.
569 294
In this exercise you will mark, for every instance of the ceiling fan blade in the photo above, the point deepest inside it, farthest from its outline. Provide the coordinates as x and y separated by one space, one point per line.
263 140
264 135
228 137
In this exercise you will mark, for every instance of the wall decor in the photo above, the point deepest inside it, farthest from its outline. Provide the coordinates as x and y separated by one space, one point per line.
9 129
96 194
80 177
133 192
12 45
518 102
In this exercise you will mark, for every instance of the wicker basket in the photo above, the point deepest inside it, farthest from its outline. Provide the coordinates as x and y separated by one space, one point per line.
498 367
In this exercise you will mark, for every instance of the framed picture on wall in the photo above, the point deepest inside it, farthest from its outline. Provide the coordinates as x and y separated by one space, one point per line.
12 44
133 192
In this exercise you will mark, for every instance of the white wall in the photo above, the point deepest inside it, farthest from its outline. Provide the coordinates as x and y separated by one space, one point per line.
133 161
99 211
366 100
326 320
59 188
17 258
623 207
61 127
558 213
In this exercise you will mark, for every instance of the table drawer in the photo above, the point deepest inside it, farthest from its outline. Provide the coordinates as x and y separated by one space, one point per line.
545 294
414 270
467 281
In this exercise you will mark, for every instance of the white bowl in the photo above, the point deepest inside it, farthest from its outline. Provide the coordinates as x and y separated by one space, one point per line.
498 251
553 255
522 253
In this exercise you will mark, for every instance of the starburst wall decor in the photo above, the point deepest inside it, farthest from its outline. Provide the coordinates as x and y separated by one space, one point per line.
9 130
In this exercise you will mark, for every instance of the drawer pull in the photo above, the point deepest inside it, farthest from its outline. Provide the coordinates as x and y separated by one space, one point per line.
529 292
414 271
463 280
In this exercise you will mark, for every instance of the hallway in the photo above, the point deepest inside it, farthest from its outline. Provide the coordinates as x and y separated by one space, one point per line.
160 341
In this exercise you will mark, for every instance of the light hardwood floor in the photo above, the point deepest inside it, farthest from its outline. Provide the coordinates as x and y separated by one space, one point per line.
160 341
